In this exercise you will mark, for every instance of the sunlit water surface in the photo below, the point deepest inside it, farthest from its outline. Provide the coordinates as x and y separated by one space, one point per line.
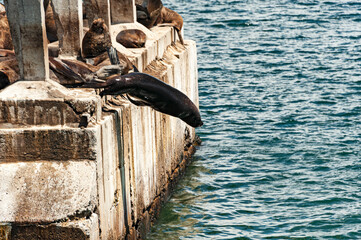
280 95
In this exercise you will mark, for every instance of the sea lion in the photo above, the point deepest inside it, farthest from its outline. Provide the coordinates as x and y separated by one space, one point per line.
131 38
148 11
51 30
65 74
4 80
5 36
9 71
144 90
172 18
96 40
71 72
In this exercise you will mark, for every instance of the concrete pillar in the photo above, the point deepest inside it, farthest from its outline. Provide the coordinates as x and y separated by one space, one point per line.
27 25
69 22
123 11
97 9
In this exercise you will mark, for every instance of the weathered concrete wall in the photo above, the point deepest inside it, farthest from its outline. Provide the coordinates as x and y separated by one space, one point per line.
152 146
62 174
61 179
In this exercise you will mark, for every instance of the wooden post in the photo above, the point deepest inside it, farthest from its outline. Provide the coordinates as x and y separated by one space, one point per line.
69 22
27 26
122 11
97 9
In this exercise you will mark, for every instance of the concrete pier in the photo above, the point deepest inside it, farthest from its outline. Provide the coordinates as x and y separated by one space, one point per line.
106 178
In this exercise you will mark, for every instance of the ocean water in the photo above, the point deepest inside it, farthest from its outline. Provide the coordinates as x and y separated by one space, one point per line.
280 95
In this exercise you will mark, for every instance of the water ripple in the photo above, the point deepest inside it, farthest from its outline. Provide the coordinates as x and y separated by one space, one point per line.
279 85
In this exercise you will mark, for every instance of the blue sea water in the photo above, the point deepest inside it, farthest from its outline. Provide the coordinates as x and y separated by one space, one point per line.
280 95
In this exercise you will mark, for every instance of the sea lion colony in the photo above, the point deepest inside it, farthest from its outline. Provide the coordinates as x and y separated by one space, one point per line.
101 66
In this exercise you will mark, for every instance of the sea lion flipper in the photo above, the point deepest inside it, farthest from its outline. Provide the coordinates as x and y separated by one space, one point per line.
95 83
135 68
138 102
113 55
107 71
179 35
60 67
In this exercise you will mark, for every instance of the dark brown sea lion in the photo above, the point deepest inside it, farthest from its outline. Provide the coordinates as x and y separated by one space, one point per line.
72 72
64 73
96 40
145 90
148 11
9 72
5 36
51 31
50 25
131 38
172 18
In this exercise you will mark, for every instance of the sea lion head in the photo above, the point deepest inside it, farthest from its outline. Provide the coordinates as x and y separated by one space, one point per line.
96 40
99 26
193 119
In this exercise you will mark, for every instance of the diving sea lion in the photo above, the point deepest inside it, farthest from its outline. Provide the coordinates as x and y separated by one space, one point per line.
5 36
174 19
131 38
148 11
96 40
145 90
